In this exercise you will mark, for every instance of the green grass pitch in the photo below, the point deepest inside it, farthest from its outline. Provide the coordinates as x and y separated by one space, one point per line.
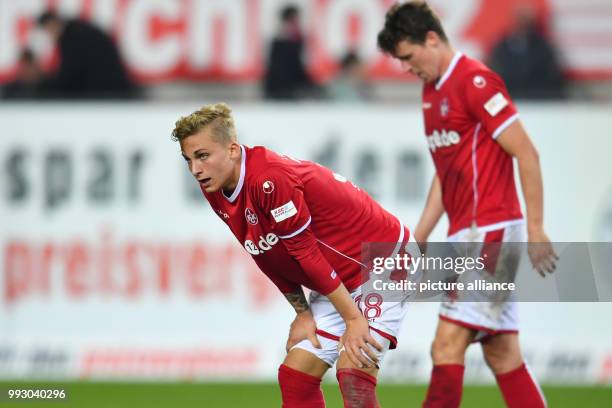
266 395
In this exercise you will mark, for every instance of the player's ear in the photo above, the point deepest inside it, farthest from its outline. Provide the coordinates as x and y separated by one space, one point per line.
234 150
432 38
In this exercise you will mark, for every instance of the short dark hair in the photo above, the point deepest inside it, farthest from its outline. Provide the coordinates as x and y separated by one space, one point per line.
289 13
409 21
48 16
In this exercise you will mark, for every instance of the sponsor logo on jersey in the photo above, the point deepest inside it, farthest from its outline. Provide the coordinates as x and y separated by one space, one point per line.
268 187
479 81
442 139
262 245
426 105
444 107
496 104
222 214
283 212
250 216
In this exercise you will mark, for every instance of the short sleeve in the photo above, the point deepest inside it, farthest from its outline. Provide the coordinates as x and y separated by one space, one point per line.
279 194
489 102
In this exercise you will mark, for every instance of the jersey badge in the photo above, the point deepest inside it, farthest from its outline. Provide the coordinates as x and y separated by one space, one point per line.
496 104
479 81
250 216
283 212
268 187
444 107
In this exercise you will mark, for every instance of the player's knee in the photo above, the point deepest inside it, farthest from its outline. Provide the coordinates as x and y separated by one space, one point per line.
447 351
502 359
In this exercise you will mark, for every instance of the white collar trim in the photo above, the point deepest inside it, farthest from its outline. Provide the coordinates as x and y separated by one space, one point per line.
238 188
449 70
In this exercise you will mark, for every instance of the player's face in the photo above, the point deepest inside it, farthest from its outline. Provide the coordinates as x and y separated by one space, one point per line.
212 163
422 60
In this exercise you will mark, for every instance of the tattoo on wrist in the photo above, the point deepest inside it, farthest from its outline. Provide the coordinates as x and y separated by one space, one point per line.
298 301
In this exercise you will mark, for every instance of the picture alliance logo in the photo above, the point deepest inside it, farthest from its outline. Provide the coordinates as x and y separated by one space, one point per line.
264 244
442 139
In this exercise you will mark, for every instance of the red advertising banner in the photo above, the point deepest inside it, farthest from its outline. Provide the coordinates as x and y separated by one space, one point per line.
208 40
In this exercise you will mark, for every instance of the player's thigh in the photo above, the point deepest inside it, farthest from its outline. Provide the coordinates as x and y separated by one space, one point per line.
502 352
345 362
306 362
330 327
450 342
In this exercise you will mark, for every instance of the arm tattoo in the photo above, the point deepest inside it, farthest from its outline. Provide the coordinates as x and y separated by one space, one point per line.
298 301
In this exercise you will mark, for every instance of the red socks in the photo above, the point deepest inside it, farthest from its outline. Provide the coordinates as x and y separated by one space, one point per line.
520 389
299 390
445 386
358 388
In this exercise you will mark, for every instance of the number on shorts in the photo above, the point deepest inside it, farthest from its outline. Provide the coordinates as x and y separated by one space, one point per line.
372 301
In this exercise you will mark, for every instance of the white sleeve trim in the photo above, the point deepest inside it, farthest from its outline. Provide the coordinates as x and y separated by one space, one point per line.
298 231
505 125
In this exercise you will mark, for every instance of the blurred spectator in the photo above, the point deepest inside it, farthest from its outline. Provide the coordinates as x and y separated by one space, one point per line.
90 65
286 77
527 61
350 84
29 79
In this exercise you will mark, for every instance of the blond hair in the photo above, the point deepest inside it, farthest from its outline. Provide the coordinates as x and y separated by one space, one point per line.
218 116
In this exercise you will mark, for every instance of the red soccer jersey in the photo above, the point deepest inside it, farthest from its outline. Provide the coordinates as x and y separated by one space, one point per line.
302 223
465 111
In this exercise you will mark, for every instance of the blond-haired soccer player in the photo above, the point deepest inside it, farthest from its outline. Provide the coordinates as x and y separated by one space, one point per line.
474 133
304 226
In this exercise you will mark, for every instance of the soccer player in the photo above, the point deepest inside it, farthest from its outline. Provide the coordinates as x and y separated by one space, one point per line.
304 226
473 132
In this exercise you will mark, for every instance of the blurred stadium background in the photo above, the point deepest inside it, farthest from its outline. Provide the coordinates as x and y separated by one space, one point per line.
120 284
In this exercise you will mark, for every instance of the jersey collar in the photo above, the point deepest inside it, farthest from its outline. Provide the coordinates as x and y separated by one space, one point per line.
449 70
238 188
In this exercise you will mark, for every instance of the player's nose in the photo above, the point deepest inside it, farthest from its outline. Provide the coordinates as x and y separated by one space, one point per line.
195 169
406 66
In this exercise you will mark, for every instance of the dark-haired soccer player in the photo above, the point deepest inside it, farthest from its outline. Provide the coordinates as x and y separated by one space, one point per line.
473 132
304 226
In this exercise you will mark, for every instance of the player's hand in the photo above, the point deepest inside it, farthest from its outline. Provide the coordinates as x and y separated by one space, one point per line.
542 255
303 327
357 342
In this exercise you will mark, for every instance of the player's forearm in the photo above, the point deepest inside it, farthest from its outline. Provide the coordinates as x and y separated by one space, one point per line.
533 190
344 304
298 301
304 249
431 213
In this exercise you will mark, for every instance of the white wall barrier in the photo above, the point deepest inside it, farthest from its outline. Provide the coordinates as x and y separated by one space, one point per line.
114 267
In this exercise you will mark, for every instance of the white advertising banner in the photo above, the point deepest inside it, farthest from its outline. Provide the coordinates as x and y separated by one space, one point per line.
113 266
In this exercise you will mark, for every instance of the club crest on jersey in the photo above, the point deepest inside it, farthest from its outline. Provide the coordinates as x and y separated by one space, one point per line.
479 81
250 216
268 187
444 107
